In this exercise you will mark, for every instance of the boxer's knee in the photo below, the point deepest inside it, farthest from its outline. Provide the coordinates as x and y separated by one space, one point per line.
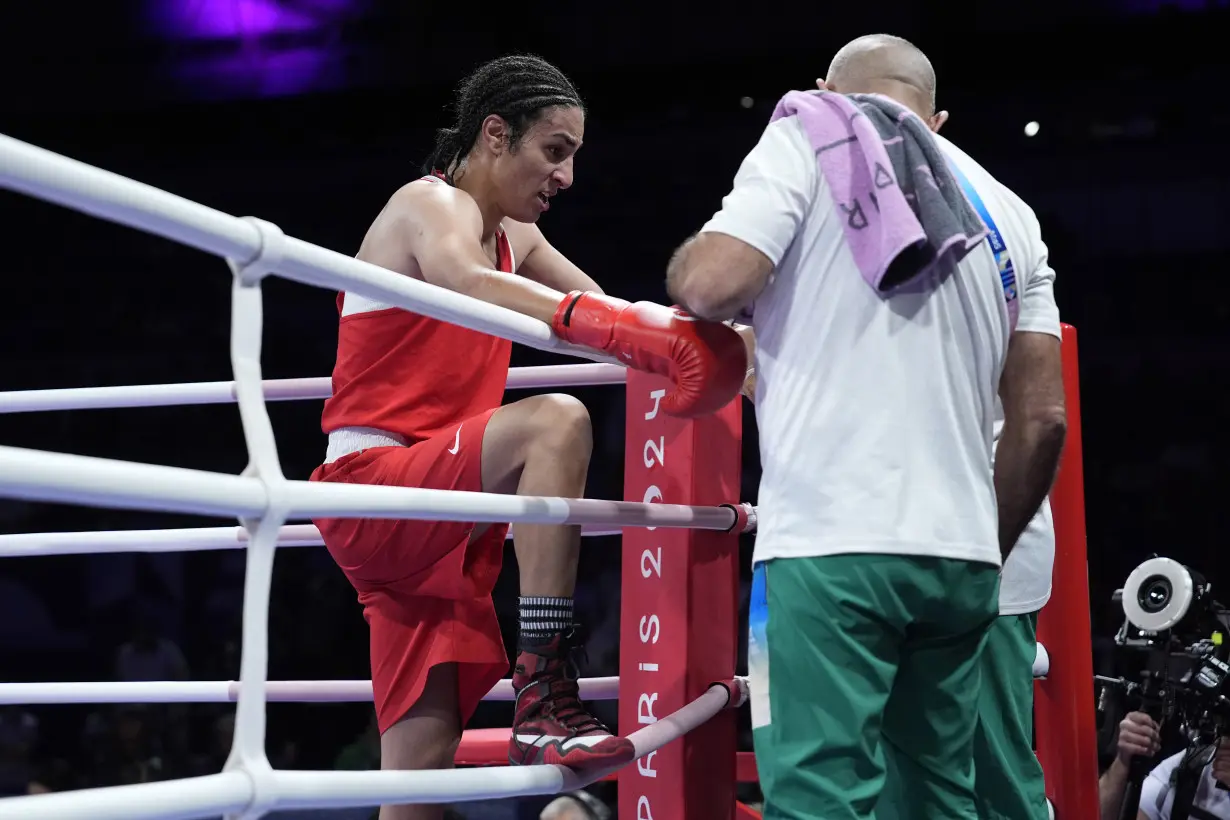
544 436
416 744
428 736
563 429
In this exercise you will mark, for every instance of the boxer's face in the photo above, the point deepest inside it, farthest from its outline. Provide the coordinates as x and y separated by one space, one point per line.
540 165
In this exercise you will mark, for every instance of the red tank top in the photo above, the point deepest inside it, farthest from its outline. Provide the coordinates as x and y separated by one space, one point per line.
412 375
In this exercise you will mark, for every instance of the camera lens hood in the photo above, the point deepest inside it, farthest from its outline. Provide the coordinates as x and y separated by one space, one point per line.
1158 594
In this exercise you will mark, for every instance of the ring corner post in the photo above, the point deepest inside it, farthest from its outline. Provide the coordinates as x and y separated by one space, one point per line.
679 606
1064 701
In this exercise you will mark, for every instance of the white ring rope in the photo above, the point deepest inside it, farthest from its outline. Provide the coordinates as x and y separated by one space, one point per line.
195 393
54 178
38 475
209 796
215 795
222 691
290 691
188 539
263 500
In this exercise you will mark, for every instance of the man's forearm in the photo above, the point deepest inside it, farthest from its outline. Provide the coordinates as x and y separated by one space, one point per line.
1025 464
1112 785
676 272
715 276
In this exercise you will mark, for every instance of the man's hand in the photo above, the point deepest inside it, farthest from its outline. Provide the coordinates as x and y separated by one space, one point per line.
1139 736
749 384
1221 762
749 341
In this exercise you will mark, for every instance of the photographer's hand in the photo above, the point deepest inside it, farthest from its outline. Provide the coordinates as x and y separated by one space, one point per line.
1139 735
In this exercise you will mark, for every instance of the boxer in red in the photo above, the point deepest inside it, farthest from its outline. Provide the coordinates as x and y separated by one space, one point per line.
417 403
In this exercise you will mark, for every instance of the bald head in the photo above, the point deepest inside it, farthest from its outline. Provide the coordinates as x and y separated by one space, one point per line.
884 64
575 806
564 808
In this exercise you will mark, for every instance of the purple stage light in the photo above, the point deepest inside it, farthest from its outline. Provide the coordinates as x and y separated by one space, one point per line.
1157 6
261 48
266 74
240 19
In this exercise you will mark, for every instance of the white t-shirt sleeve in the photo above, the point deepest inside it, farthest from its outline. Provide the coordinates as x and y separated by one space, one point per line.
1039 313
772 192
1155 792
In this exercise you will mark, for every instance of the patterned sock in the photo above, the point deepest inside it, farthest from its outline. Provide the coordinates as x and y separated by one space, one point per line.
544 618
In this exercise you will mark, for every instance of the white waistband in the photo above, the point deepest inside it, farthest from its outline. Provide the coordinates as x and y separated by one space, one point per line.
346 440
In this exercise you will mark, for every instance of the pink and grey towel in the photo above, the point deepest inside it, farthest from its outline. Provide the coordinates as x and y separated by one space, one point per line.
906 219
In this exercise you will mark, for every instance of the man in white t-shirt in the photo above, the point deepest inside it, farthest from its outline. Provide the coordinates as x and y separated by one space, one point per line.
1140 736
1009 781
880 542
1157 794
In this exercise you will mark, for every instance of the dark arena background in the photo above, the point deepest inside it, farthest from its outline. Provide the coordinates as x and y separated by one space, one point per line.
1107 116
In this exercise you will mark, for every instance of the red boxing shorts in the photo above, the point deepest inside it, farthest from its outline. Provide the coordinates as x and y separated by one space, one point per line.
425 589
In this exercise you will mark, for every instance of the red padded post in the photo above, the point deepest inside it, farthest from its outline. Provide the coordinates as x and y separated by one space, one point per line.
679 608
1064 701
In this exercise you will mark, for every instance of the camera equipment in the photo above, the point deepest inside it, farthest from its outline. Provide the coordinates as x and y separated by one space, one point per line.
1176 630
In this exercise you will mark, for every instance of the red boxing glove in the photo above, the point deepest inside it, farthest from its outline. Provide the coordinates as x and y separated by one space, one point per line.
706 361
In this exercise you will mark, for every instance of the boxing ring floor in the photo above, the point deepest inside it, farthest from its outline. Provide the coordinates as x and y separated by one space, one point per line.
265 501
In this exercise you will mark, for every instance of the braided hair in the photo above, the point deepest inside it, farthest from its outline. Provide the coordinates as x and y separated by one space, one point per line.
516 88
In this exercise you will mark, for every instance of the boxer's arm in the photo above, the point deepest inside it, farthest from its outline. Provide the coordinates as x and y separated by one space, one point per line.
443 231
720 271
543 262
